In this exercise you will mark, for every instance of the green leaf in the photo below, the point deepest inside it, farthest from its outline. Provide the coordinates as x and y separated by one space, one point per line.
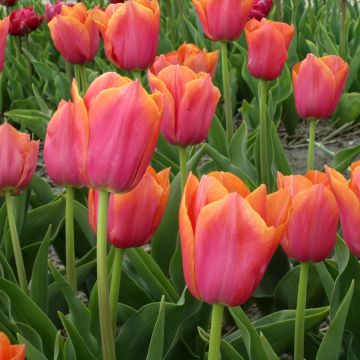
343 158
42 190
31 352
217 136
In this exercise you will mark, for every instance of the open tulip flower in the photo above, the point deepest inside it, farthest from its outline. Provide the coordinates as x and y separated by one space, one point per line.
190 102
10 352
268 42
228 236
24 21
188 55
260 9
314 217
347 194
223 19
75 22
128 224
318 84
131 33
4 29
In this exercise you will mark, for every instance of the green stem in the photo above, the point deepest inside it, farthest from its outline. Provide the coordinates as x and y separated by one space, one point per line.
311 148
77 73
300 312
343 28
84 82
15 242
137 76
183 170
28 63
1 93
69 232
181 20
115 284
68 71
227 91
279 12
215 332
107 338
264 154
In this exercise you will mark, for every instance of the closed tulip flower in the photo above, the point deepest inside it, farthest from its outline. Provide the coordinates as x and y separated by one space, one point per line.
314 217
131 32
8 2
268 43
18 159
260 9
228 236
10 352
190 102
188 55
347 195
24 21
75 22
128 224
318 84
4 29
223 19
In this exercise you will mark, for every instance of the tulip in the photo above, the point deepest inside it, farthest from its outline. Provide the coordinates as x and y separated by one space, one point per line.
188 55
131 32
8 3
75 22
190 101
10 352
314 217
228 236
51 10
128 225
223 19
24 21
260 9
268 43
4 29
347 195
318 84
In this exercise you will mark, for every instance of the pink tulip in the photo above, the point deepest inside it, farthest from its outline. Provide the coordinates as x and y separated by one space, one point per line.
4 29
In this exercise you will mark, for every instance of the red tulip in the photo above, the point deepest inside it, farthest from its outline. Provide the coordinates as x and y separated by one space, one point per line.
128 224
18 159
260 9
314 217
4 29
190 101
268 43
8 3
223 19
188 55
318 84
24 21
228 236
131 32
347 195
66 142
75 22
51 10
10 352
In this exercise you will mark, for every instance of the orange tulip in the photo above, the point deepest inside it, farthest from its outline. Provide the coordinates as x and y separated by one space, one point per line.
223 19
190 101
347 195
128 224
75 34
10 352
4 30
18 159
318 84
228 236
314 217
188 55
268 43
131 32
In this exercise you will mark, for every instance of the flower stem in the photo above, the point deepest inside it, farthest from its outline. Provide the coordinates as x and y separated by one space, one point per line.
15 242
69 231
137 76
183 170
68 71
77 73
115 284
227 91
342 6
181 19
107 338
300 312
279 12
264 152
84 82
311 148
215 332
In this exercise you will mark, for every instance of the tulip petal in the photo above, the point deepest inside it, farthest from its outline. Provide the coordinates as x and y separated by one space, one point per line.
4 30
317 177
17 352
257 200
231 182
200 7
5 351
293 183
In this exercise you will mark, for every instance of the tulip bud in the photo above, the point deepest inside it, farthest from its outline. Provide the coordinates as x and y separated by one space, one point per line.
260 9
190 102
75 22
24 21
4 30
314 217
268 43
10 352
223 19
128 224
318 84
131 32
228 236
18 159
8 3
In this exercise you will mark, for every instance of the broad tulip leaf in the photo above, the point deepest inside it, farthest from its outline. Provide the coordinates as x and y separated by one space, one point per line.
42 190
31 352
217 136
343 158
